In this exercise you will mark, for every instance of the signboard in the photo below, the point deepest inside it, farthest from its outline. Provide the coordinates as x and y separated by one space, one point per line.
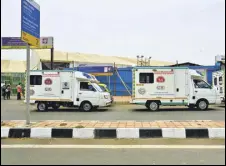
96 69
17 43
30 22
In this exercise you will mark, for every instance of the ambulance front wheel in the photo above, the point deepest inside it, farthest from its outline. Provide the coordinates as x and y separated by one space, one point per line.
86 106
202 104
153 106
42 106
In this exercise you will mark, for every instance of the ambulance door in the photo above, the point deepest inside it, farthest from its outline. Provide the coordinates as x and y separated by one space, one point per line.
66 86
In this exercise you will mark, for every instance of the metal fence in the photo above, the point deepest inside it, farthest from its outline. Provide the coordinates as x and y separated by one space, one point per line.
115 84
13 79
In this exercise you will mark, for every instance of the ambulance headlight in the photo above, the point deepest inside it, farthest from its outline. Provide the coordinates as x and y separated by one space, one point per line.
106 96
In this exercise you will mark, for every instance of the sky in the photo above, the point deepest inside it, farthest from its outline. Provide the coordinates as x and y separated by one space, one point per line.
167 30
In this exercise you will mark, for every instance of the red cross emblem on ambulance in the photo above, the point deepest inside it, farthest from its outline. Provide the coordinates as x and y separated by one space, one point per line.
160 79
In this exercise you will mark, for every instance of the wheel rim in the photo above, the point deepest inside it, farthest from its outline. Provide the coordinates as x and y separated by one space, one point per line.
86 106
42 106
153 106
202 105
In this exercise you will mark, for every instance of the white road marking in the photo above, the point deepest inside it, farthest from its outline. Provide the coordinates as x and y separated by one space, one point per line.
18 146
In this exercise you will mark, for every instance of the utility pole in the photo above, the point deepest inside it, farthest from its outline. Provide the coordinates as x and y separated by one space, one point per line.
141 61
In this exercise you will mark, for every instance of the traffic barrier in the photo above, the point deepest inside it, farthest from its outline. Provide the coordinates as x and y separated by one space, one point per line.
125 133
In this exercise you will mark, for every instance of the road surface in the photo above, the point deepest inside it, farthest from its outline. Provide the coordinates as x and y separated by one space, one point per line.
15 110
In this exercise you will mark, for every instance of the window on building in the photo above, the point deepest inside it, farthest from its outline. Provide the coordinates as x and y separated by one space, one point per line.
36 80
220 80
221 90
146 78
56 65
215 81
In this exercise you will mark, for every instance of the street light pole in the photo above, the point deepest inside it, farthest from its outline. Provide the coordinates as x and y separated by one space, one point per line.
28 86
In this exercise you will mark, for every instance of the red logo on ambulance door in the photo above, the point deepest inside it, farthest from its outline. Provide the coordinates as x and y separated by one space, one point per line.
160 79
48 81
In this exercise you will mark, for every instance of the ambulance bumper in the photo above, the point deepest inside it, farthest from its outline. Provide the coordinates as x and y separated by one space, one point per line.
105 104
219 101
223 100
31 102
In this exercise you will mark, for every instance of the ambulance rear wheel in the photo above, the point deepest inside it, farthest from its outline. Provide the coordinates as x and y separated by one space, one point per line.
153 106
86 106
42 106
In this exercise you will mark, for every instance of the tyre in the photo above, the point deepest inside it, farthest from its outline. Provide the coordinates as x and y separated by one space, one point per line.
86 106
55 106
153 106
202 105
42 107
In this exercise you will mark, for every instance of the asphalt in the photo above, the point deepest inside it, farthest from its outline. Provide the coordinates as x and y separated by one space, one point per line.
15 110
111 156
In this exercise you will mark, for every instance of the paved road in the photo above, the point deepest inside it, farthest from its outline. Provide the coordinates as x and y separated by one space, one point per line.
108 156
112 157
15 110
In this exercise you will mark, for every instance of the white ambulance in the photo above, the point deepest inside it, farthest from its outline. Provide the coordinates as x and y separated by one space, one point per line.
172 86
219 83
65 88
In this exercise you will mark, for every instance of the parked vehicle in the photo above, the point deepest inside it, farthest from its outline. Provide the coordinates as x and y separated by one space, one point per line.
172 86
65 88
219 83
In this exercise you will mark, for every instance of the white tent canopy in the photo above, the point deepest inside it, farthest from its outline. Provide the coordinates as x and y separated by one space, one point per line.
37 56
44 55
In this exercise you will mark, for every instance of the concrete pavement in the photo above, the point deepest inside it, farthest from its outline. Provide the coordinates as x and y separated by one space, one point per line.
15 110
115 124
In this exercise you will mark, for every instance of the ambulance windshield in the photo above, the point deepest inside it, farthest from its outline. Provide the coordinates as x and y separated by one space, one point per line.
201 84
97 87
